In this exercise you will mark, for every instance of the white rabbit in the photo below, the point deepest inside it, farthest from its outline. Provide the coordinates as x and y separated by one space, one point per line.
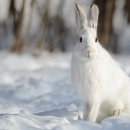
102 85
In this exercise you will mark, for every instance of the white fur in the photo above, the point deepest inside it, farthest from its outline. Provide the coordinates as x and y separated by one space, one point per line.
102 85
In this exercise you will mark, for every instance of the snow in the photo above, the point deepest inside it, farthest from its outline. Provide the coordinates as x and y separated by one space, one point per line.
36 94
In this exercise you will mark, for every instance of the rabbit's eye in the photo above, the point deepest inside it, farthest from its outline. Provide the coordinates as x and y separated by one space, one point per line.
96 40
80 39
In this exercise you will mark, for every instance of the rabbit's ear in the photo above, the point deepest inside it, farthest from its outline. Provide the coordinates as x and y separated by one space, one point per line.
93 16
80 16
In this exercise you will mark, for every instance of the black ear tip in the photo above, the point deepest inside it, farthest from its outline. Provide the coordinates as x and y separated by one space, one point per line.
76 6
93 5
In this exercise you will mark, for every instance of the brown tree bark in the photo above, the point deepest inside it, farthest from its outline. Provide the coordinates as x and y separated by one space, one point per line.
106 8
18 45
52 29
127 9
12 14
43 26
29 27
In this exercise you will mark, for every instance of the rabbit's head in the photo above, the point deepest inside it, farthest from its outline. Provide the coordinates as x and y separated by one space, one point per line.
87 24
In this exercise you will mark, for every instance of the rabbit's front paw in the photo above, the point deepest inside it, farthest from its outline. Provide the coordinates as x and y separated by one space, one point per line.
118 112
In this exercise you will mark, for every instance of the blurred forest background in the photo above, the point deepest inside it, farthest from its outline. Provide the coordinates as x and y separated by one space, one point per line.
38 25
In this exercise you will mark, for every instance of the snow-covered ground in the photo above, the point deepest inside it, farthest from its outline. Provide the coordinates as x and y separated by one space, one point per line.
36 94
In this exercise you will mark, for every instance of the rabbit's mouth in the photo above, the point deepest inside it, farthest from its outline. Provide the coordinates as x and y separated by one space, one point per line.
90 50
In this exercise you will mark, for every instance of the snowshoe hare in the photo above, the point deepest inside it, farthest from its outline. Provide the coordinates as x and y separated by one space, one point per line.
102 85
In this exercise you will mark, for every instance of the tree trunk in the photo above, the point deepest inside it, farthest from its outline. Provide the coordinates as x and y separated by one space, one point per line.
18 45
29 27
127 9
43 26
106 8
12 14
